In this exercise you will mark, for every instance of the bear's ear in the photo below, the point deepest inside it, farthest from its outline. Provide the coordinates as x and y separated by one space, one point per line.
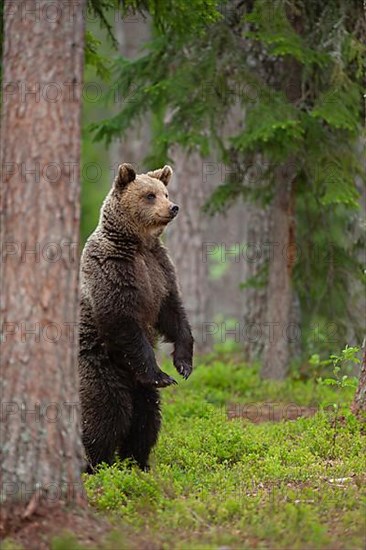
126 174
163 174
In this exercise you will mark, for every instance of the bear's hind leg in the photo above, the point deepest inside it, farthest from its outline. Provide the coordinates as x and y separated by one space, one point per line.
100 446
106 416
145 426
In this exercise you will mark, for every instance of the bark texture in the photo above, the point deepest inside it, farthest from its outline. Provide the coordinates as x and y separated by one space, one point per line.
280 331
40 155
254 297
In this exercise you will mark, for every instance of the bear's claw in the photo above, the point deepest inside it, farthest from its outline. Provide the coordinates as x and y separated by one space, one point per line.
184 368
163 380
158 379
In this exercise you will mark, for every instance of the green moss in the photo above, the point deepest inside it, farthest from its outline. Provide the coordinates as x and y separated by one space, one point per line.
219 482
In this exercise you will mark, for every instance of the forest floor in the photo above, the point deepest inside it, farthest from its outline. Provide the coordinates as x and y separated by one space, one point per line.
240 464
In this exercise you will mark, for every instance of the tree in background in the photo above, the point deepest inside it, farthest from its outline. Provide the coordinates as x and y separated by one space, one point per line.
295 69
185 240
131 33
40 153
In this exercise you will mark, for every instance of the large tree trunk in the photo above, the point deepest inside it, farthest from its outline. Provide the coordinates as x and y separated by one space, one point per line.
280 331
359 402
40 155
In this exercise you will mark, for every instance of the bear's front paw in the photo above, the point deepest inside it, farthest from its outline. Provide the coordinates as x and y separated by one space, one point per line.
183 367
162 380
158 379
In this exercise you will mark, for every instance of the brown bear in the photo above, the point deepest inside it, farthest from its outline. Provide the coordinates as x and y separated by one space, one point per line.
129 297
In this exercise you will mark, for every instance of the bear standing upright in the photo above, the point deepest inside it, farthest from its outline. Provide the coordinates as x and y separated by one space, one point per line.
129 297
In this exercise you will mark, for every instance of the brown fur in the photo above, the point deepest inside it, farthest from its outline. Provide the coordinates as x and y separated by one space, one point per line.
129 296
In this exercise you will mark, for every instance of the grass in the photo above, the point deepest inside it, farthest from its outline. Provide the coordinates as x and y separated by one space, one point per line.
221 483
218 483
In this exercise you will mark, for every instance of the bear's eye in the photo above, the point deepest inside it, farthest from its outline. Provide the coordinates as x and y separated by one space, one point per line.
166 194
151 196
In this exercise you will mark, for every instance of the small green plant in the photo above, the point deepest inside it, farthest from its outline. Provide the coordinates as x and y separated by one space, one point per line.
340 363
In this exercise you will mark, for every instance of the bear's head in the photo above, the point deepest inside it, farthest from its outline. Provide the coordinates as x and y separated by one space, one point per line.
141 201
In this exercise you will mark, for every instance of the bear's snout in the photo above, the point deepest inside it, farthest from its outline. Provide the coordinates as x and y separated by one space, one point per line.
174 209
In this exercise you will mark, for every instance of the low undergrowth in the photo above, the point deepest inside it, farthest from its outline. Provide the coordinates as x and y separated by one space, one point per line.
217 482
235 468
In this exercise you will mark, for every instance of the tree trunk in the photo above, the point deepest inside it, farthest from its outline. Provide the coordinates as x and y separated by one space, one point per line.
219 309
185 240
132 33
279 329
40 156
359 402
254 298
283 311
239 236
242 233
